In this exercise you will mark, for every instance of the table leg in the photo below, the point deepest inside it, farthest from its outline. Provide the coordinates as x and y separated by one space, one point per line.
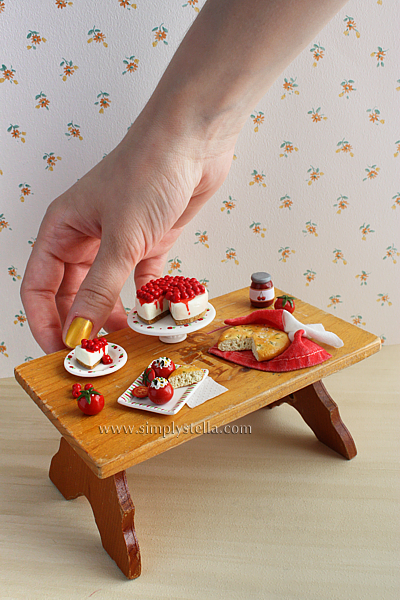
321 414
110 501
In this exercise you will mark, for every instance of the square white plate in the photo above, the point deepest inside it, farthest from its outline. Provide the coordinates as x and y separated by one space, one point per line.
179 399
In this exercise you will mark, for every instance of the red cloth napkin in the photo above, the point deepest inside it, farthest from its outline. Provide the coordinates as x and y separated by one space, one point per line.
301 353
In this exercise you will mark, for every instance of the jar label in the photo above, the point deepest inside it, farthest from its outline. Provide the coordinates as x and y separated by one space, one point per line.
262 295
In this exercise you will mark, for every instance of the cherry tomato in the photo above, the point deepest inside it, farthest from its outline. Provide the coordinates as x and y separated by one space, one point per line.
76 390
286 302
160 390
148 376
91 402
88 386
106 360
141 391
163 367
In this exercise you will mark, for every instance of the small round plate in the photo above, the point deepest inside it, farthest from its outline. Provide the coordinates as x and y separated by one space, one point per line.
117 353
167 329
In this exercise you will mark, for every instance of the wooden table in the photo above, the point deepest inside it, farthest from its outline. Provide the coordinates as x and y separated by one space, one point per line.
93 464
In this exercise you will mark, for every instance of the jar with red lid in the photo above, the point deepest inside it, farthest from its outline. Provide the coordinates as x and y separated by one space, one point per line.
262 291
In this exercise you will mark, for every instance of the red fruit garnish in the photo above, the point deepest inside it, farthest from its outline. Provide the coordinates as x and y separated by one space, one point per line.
141 391
76 390
106 360
88 386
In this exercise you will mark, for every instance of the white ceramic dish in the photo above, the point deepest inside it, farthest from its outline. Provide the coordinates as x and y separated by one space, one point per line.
178 400
166 328
117 353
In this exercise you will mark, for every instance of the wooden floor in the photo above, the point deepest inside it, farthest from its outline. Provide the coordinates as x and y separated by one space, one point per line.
267 515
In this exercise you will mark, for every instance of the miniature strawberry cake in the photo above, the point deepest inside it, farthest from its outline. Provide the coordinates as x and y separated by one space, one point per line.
184 298
91 352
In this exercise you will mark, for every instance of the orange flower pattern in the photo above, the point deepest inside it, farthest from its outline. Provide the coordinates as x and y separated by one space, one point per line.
258 178
350 26
338 254
7 74
193 4
374 116
202 238
310 276
3 223
372 173
68 68
230 254
341 203
363 276
285 253
35 40
12 271
316 116
314 174
16 133
344 146
51 160
311 229
97 36
42 101
290 85
396 199
131 64
391 252
160 35
25 191
228 205
347 88
318 53
380 56
258 229
174 265
258 119
103 100
286 202
335 301
287 148
365 230
20 318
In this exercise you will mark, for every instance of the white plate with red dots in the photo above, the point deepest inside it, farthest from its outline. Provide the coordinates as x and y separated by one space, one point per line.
166 328
117 354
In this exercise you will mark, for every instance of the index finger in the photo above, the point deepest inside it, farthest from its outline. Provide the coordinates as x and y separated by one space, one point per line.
43 276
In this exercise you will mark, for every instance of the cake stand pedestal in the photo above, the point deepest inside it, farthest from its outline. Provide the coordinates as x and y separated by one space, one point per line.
166 328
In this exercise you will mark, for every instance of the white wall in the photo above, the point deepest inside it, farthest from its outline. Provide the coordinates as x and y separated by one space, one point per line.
128 32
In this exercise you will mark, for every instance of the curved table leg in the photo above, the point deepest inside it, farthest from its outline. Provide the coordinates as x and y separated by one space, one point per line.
110 501
321 414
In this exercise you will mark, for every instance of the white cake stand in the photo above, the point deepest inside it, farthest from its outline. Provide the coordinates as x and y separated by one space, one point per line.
166 329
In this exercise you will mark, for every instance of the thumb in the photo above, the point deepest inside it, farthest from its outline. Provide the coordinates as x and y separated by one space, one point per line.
98 296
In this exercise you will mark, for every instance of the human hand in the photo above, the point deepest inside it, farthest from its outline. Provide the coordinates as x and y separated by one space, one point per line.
125 214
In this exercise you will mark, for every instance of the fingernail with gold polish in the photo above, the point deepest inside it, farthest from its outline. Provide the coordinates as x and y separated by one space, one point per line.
79 329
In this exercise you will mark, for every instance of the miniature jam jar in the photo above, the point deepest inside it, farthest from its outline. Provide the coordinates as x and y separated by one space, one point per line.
262 291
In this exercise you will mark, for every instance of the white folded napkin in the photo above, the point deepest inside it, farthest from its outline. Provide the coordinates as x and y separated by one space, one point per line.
315 331
207 390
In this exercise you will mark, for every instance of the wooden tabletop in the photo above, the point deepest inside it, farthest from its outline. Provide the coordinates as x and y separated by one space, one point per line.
49 385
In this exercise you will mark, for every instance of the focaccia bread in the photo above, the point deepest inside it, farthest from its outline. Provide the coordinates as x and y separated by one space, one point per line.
185 375
265 342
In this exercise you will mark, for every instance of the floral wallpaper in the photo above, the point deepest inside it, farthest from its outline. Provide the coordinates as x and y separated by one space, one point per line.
313 195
